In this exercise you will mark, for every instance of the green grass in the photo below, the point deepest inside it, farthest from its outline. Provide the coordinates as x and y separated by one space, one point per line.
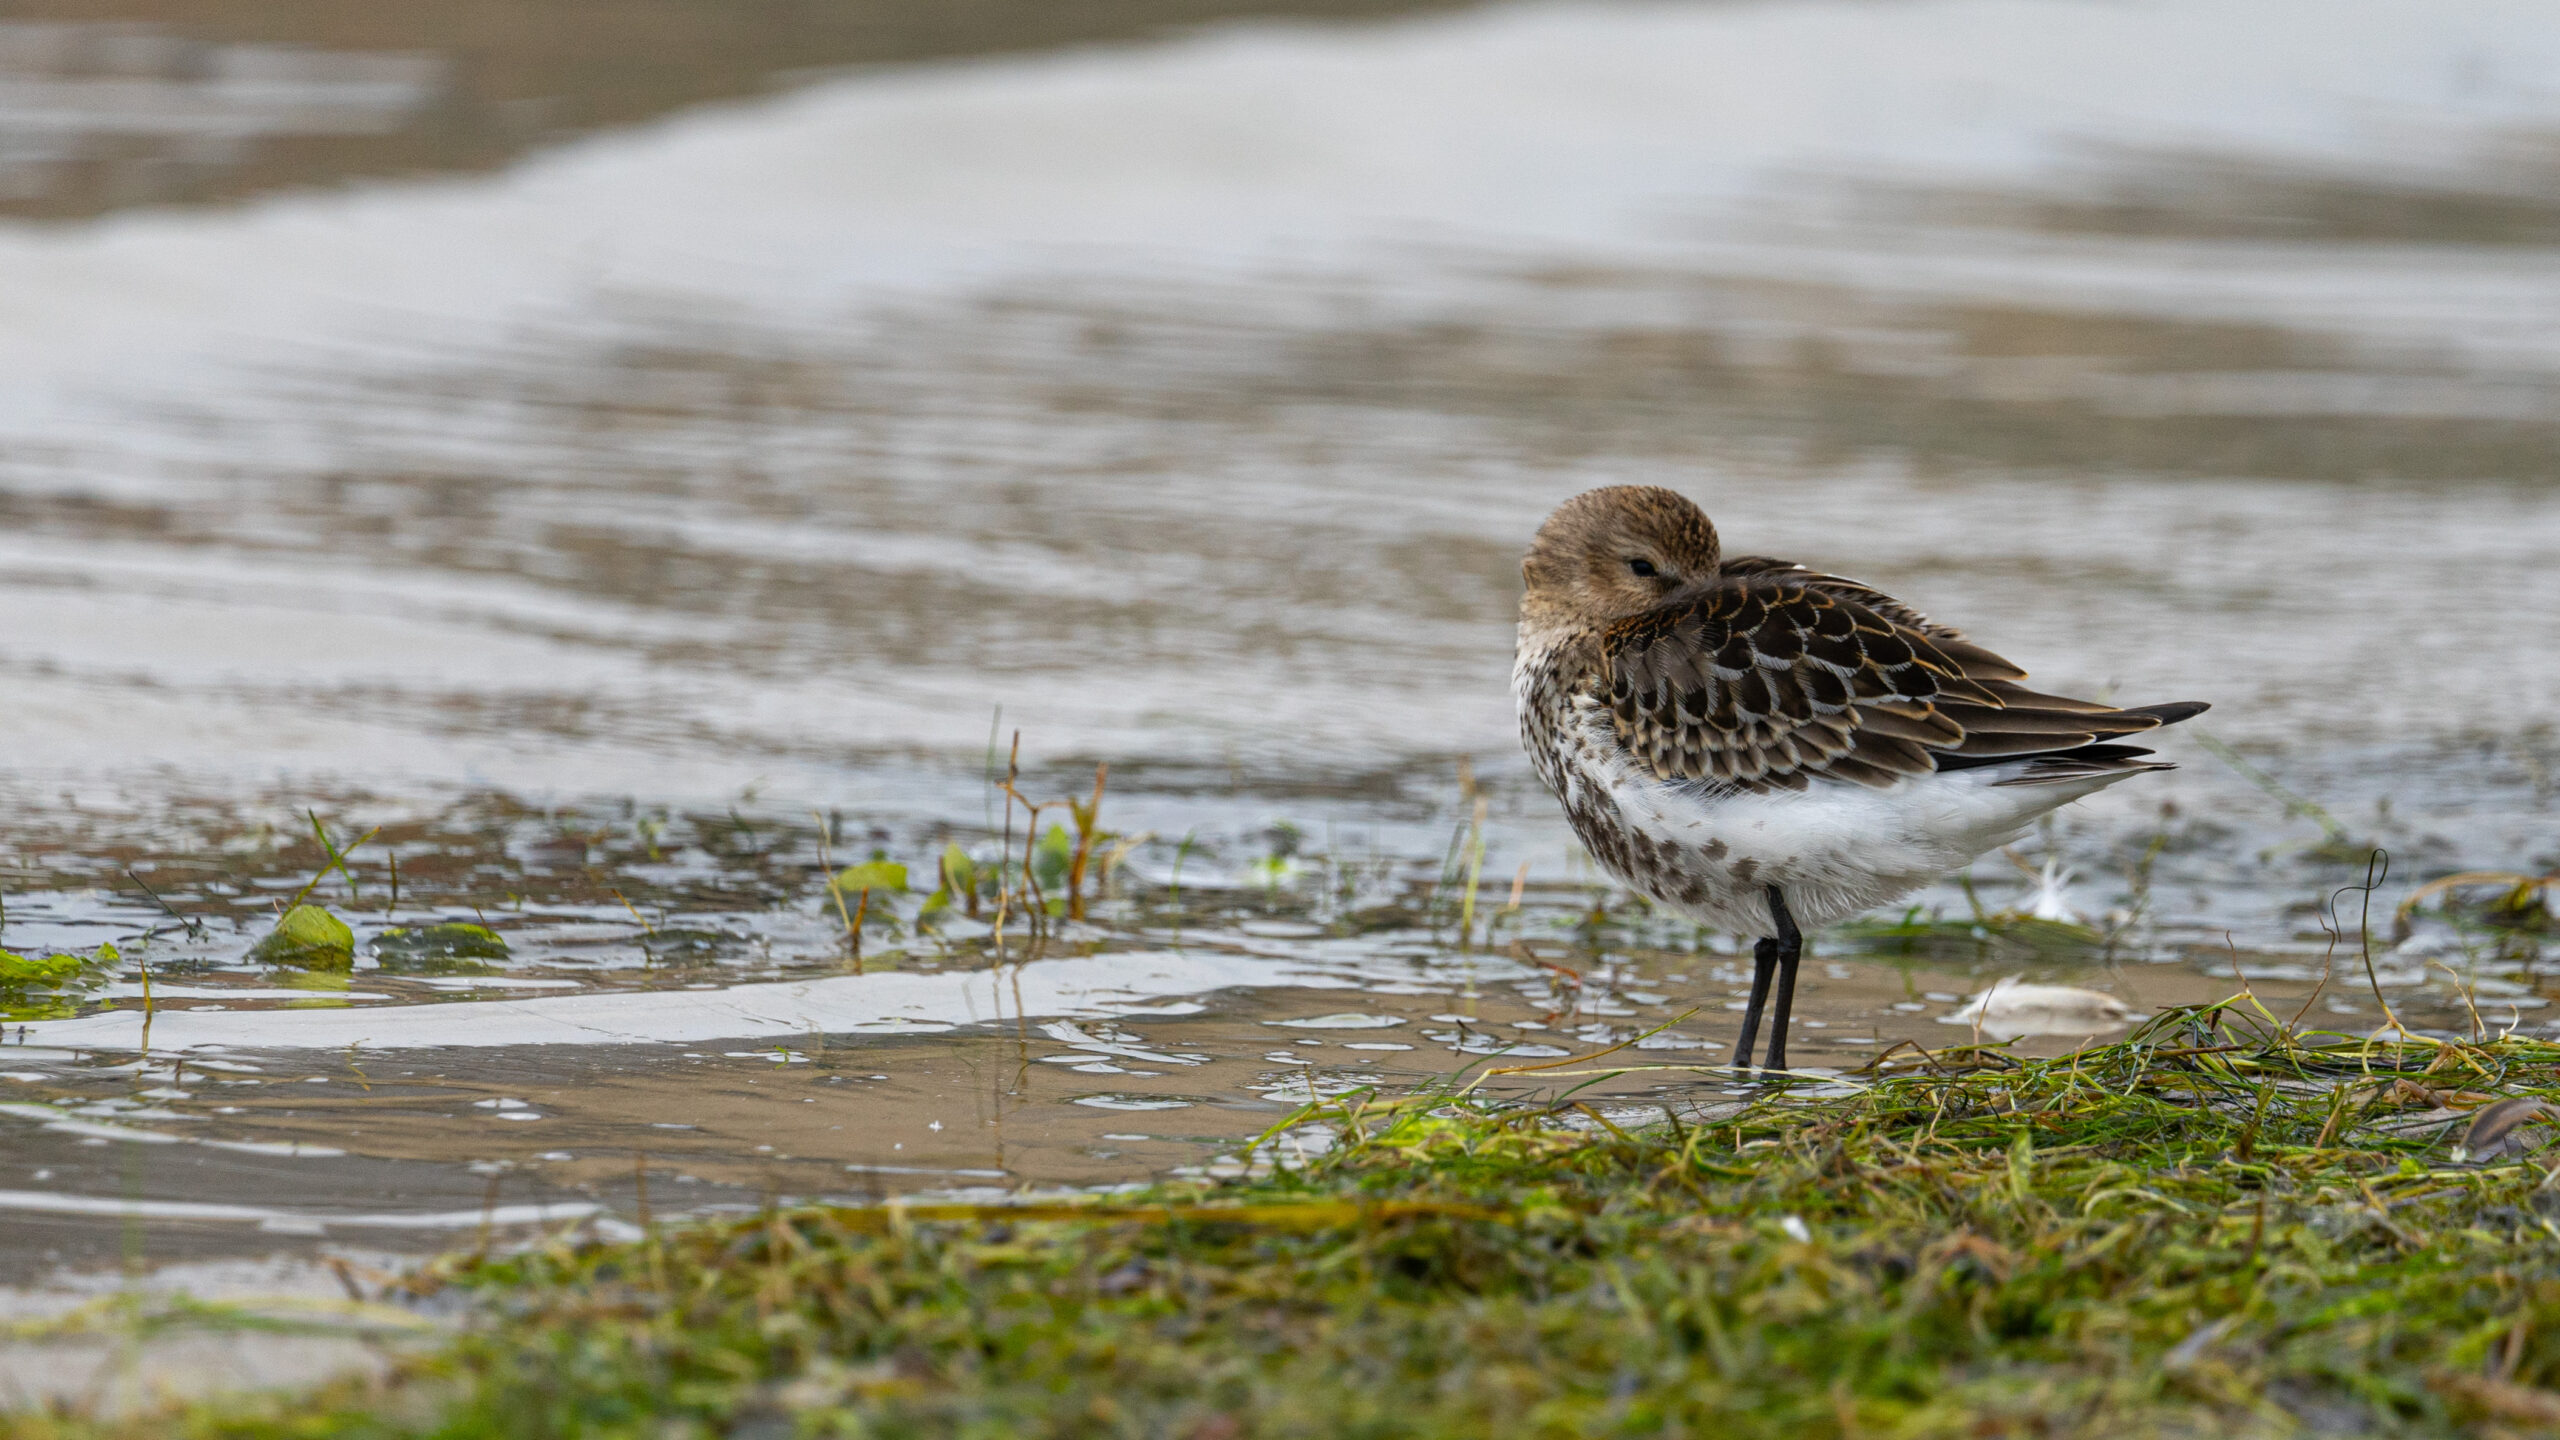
2213 1228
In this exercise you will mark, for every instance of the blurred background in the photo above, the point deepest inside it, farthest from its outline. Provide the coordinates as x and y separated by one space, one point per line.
640 454
659 397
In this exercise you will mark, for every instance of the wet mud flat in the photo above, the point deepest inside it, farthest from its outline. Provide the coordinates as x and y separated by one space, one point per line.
594 1020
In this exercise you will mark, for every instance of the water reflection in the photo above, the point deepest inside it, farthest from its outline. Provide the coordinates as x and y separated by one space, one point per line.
189 101
98 116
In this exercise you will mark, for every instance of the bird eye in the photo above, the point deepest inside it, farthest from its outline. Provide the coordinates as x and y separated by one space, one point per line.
1643 568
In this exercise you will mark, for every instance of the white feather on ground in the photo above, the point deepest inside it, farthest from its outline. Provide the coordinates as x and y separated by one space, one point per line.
2012 1009
2052 897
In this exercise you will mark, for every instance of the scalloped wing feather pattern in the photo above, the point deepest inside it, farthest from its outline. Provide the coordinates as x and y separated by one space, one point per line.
1777 674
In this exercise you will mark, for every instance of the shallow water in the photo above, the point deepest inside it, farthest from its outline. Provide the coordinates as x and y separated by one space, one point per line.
603 527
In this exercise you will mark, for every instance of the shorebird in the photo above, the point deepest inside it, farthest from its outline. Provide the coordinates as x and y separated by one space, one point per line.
1768 749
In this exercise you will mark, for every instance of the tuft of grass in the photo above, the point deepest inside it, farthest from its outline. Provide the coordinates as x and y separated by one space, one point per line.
2216 1227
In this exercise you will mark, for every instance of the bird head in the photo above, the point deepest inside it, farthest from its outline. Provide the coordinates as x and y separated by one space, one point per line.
1609 553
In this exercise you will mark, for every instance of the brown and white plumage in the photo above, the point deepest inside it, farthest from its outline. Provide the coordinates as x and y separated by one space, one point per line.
1770 675
1759 745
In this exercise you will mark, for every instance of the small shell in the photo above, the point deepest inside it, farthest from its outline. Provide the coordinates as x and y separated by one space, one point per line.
2011 1009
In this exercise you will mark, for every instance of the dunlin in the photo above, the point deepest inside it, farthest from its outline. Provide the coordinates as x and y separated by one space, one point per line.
1766 748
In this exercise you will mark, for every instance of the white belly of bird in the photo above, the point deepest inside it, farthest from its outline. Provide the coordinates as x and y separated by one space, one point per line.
1834 849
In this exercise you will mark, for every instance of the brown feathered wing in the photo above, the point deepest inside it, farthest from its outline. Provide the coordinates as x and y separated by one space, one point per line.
1777 674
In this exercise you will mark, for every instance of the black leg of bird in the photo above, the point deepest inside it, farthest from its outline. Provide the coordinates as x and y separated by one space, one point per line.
1764 964
1790 948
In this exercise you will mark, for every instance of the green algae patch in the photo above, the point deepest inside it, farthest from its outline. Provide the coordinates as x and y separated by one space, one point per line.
681 945
51 986
308 937
2208 1229
43 970
453 948
887 877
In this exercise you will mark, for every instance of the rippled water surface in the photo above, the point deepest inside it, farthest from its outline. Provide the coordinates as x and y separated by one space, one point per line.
605 542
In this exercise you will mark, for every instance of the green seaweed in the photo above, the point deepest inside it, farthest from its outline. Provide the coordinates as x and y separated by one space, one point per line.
1050 861
2215 1227
887 877
46 970
687 945
51 986
451 948
308 937
2007 933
